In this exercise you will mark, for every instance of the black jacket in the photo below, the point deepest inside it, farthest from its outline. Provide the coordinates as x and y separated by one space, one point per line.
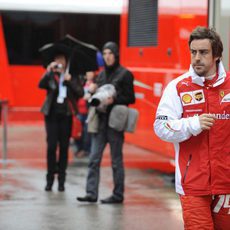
122 79
74 92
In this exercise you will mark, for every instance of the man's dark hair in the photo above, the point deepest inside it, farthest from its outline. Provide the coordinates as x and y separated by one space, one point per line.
208 33
58 53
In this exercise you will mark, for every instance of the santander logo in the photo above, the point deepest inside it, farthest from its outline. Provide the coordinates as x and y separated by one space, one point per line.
222 116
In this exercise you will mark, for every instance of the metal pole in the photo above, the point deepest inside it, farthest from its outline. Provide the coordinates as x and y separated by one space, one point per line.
5 117
211 13
214 14
4 122
220 20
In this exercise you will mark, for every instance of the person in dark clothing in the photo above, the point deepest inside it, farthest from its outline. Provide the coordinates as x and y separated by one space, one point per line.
122 79
63 90
82 145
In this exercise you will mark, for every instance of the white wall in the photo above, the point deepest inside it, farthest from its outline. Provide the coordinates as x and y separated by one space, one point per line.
225 31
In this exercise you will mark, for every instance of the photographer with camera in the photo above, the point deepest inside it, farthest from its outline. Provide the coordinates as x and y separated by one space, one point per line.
122 80
63 90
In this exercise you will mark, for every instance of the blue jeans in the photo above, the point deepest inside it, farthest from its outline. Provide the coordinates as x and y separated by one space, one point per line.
84 143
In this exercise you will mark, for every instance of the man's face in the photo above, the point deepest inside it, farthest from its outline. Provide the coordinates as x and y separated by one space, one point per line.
89 75
202 60
108 57
60 59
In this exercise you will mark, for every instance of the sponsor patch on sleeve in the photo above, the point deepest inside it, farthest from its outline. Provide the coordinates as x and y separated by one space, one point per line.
162 117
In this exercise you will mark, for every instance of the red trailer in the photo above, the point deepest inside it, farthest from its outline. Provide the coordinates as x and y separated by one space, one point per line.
154 46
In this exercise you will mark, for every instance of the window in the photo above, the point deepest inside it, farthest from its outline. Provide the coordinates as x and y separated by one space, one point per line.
143 23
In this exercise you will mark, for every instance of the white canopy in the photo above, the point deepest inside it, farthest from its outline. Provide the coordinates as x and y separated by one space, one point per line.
70 6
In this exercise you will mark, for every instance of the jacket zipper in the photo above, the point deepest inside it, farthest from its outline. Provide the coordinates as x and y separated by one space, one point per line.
207 101
206 98
187 166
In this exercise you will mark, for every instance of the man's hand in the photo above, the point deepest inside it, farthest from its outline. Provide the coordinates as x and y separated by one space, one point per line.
87 96
206 121
67 77
92 87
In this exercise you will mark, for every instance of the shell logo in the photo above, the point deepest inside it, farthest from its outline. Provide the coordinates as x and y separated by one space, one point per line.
187 98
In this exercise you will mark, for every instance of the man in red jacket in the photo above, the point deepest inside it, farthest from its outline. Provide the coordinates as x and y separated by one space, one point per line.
194 114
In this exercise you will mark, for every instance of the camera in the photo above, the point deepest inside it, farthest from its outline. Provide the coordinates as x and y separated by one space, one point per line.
99 98
58 66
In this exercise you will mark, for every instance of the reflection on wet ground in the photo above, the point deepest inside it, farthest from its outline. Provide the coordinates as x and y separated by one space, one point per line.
150 203
150 199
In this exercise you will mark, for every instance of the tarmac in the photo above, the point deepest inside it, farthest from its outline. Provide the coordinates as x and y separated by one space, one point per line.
150 198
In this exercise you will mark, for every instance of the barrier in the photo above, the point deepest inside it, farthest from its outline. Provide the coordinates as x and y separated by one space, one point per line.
4 117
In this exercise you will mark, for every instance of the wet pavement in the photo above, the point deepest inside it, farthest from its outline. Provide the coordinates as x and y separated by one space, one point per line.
150 199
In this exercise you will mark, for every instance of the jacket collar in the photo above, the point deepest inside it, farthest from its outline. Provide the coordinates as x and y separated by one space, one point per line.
199 80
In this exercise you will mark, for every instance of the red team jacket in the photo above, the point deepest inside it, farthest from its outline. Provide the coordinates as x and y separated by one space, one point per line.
202 158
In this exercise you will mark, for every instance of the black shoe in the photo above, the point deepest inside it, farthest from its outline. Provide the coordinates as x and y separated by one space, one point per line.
112 200
48 188
87 198
61 188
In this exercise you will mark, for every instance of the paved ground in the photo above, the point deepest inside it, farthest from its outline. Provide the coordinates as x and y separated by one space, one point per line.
150 203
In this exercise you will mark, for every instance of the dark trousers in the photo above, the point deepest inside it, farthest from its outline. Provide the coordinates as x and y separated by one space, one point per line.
84 143
58 130
99 141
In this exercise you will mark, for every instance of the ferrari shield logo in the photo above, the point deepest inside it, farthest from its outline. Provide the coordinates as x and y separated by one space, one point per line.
222 93
224 96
